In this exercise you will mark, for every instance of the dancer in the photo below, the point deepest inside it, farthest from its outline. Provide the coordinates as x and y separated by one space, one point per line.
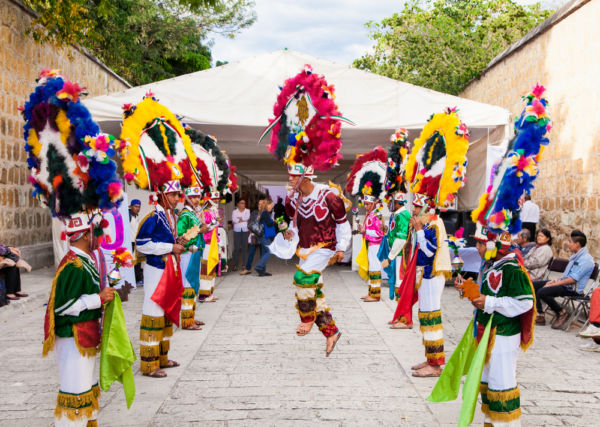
210 253
397 236
367 179
190 230
152 163
320 230
73 175
435 169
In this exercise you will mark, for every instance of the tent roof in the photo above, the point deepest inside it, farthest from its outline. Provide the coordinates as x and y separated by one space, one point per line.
234 102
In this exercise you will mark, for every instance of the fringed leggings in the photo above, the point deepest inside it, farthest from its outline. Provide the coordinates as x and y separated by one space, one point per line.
155 336
374 279
430 319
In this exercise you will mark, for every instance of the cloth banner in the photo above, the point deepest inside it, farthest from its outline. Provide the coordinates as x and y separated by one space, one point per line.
192 273
117 354
390 270
362 260
213 252
407 294
169 289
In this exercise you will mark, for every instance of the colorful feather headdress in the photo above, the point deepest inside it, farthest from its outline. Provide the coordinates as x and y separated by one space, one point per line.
307 126
515 174
437 163
156 149
367 177
69 159
396 157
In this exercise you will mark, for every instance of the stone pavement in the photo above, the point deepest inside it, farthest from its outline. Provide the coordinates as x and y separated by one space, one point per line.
247 367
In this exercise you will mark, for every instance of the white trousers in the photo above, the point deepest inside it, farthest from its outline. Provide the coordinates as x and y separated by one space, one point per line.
152 276
316 261
206 284
430 293
374 263
184 261
76 374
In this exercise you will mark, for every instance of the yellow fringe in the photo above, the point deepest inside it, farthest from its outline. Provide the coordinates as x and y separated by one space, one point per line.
525 346
92 423
187 314
311 250
503 396
149 367
483 388
151 336
504 417
165 346
76 407
205 292
485 409
186 323
49 342
149 350
84 351
96 390
163 360
306 313
428 315
491 344
168 331
152 322
188 293
435 355
435 343
432 328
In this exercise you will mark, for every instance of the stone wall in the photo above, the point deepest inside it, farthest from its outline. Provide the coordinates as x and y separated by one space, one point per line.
564 59
23 221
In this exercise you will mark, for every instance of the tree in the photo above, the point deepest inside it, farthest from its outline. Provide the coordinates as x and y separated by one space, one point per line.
444 44
142 40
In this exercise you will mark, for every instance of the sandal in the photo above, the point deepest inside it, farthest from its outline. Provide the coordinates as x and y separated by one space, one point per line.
199 323
328 352
157 373
400 325
428 372
13 297
22 294
170 364
304 328
193 327
419 366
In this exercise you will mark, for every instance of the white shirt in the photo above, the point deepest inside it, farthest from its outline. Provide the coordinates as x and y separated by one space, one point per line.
530 212
134 224
240 220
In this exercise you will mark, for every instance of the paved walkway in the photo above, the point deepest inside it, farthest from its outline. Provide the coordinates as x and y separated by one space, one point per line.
247 367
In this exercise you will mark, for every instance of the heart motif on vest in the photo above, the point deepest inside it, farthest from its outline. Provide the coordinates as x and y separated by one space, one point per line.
321 212
495 281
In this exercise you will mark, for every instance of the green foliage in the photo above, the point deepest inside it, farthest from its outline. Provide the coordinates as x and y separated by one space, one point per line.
444 44
142 40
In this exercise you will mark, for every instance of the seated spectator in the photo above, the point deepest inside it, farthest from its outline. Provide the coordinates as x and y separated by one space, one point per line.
571 283
593 329
10 261
524 241
537 259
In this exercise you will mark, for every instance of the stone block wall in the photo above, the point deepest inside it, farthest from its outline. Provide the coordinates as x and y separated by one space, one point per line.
23 220
564 59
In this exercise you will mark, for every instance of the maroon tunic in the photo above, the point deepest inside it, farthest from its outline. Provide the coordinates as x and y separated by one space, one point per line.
318 215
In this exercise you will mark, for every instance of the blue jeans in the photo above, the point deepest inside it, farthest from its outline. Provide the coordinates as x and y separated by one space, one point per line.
251 252
261 267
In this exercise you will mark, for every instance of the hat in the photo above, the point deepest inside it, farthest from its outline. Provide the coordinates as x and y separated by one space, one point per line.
437 163
367 177
516 172
396 158
420 200
173 186
400 197
193 191
298 169
135 202
307 126
68 158
77 222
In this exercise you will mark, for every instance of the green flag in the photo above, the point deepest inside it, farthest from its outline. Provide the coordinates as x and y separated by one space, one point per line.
468 359
117 355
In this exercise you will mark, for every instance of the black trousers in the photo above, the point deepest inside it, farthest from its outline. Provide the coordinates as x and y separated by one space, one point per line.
12 278
548 294
240 247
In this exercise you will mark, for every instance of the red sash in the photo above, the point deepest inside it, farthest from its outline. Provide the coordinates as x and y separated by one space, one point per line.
407 293
169 290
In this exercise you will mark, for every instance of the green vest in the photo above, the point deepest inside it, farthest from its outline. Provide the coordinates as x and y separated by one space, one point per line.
188 219
398 226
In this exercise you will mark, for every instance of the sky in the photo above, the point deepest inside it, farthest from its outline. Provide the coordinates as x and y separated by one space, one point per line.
329 29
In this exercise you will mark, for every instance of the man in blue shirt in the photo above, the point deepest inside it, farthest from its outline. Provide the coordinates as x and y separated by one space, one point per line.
572 282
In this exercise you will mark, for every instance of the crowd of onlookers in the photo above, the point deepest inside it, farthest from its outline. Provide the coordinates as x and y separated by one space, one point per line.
10 276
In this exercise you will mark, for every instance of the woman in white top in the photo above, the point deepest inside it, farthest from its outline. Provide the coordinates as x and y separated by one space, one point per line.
240 218
538 259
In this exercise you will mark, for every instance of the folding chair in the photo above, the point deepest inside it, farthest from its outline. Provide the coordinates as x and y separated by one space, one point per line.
558 267
579 304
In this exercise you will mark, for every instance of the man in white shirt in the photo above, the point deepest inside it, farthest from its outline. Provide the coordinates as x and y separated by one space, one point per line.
134 224
530 215
240 218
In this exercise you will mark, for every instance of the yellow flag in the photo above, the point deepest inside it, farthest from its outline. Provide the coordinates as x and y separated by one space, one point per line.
213 253
362 259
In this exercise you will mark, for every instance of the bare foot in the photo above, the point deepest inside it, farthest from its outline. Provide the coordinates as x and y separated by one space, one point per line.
199 323
371 299
210 299
170 364
157 373
419 366
331 342
365 297
428 371
193 327
304 328
400 325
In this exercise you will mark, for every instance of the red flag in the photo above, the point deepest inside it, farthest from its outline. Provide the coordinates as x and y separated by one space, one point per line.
407 294
169 290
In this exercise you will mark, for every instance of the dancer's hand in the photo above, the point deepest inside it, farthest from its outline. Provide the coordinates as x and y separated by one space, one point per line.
288 234
177 249
385 263
339 256
458 280
106 295
479 302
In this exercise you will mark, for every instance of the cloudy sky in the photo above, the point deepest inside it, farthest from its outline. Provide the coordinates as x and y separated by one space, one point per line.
329 29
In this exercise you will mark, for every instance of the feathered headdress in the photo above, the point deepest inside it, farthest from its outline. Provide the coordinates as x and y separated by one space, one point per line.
437 163
69 159
396 156
514 175
306 130
367 177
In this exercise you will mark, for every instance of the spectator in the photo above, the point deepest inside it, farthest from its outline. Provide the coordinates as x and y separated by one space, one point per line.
270 230
538 259
134 224
279 210
530 215
253 239
572 282
524 241
240 218
593 329
10 268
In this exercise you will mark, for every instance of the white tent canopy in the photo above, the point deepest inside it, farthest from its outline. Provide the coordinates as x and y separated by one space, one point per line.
233 102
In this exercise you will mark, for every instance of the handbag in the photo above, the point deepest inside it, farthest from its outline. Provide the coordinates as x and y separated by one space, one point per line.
256 226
